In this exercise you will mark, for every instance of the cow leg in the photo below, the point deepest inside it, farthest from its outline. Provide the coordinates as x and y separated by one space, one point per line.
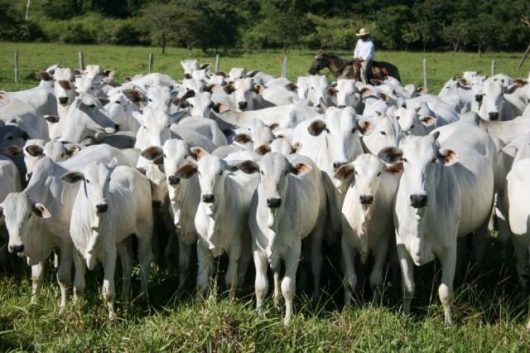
504 229
521 252
233 263
145 255
37 272
261 285
64 273
125 253
350 276
289 280
205 266
245 258
184 259
170 252
316 261
480 241
407 277
277 289
79 279
109 292
376 276
445 291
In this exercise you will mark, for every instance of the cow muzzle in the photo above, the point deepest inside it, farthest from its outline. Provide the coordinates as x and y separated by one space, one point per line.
102 208
418 200
274 203
63 100
208 198
493 115
366 199
243 105
156 203
17 249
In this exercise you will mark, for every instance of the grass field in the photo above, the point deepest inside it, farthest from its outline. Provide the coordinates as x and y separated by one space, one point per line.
490 311
128 61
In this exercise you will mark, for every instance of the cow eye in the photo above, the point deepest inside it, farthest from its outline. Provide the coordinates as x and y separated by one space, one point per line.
87 181
261 172
92 106
191 105
164 155
353 130
29 216
117 102
383 133
150 100
10 137
434 160
379 174
404 160
412 126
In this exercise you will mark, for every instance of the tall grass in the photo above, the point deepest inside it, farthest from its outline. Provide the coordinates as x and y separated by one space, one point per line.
128 61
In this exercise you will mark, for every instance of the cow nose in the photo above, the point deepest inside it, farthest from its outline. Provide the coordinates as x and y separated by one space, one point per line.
478 97
242 105
117 127
274 203
17 249
337 165
341 106
156 203
494 115
173 180
102 207
209 198
418 200
63 100
366 199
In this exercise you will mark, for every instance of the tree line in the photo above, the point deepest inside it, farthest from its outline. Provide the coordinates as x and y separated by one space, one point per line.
217 25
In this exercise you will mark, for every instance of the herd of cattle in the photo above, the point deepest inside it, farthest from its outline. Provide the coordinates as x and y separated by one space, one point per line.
252 166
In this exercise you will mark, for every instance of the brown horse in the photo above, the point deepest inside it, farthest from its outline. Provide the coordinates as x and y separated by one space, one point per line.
343 68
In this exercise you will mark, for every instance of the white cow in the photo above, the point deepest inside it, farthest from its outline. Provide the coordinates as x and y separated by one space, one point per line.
367 223
222 216
445 192
113 203
36 149
494 105
380 132
14 111
120 109
288 205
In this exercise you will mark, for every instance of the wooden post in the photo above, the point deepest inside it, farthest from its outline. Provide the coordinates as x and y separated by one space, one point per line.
27 9
151 62
217 63
523 58
493 66
17 71
81 61
284 66
425 87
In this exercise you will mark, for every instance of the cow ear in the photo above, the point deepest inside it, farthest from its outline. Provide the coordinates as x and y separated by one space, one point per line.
197 153
205 66
243 138
435 135
345 172
364 126
51 118
186 171
13 150
316 127
365 92
331 91
34 150
259 89
263 150
291 87
72 150
45 76
428 120
40 210
72 177
301 169
297 146
395 168
210 88
447 157
390 155
248 167
274 126
152 153
229 88
220 108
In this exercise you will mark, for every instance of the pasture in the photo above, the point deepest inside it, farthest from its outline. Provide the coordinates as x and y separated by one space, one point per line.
490 311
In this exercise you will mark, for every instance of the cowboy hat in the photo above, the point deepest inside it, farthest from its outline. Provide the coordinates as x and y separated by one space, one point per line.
363 32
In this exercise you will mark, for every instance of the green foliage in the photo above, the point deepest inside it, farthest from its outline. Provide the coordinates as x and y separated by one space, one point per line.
335 34
13 27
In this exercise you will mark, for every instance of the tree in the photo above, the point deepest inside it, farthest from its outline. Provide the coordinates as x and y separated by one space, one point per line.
334 33
170 23
456 33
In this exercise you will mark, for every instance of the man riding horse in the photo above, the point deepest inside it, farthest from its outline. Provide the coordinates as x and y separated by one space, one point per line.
364 53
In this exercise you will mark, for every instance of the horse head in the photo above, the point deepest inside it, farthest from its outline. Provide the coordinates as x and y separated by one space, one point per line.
319 63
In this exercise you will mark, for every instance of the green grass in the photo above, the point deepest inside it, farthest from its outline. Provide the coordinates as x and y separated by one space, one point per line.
128 61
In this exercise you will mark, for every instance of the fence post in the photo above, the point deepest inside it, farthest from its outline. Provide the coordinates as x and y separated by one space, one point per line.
493 67
17 71
425 75
217 63
81 61
284 66
151 62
